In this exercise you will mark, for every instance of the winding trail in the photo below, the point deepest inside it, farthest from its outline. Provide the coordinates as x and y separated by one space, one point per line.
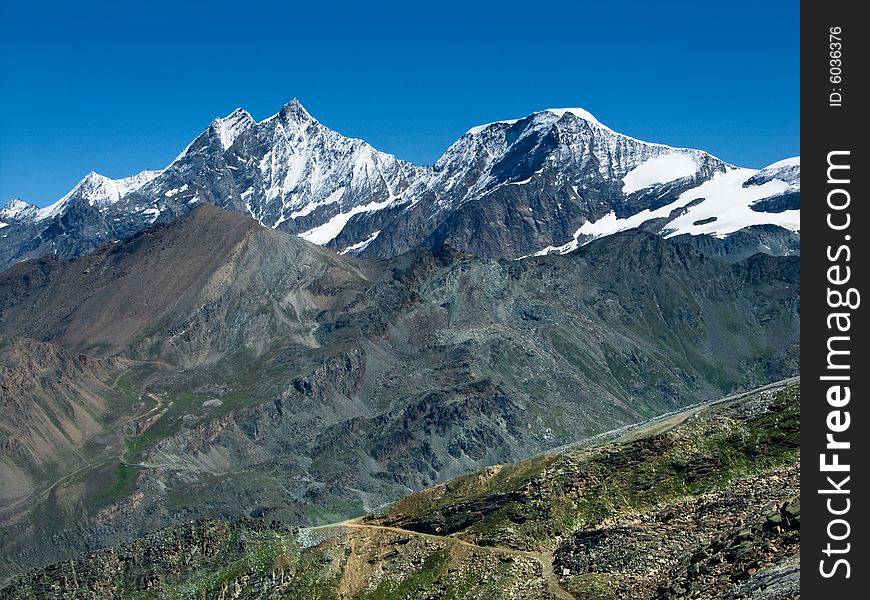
665 422
654 426
117 454
545 559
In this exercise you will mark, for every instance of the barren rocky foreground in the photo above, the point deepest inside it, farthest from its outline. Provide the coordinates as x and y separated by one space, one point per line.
703 503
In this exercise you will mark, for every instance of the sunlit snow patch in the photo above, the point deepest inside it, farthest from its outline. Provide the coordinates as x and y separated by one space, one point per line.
721 206
659 169
151 213
362 244
323 234
730 203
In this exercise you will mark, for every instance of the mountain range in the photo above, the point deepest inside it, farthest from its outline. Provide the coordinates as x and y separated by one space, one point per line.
288 325
545 183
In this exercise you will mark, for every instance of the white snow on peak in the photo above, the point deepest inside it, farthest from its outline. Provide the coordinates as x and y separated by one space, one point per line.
98 190
134 182
293 110
794 161
788 170
581 113
659 169
17 208
230 127
478 128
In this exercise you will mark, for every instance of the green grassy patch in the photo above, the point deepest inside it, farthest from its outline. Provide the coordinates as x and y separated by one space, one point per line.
421 580
313 580
113 483
593 586
261 551
574 489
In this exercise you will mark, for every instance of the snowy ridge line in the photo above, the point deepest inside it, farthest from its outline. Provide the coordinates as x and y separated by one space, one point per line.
98 190
724 199
294 174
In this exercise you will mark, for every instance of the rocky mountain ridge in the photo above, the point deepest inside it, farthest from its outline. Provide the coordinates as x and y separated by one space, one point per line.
542 184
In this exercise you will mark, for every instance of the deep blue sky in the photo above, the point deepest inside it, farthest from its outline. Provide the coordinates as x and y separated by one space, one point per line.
119 86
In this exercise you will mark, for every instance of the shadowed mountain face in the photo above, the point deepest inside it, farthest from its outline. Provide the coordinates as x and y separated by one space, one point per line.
253 373
154 293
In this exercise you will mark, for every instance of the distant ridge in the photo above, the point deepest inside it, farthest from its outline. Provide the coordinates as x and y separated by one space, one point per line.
544 183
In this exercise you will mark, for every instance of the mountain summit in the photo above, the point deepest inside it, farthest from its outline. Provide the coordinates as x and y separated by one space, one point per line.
544 183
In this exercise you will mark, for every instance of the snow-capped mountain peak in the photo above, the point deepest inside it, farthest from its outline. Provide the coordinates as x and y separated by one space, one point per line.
569 145
794 161
788 170
230 127
293 111
477 129
580 113
287 171
543 183
17 210
548 113
99 191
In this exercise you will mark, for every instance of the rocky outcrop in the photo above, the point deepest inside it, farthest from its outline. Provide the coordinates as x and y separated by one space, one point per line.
164 563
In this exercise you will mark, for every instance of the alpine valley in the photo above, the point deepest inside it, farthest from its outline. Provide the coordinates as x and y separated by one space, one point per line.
286 328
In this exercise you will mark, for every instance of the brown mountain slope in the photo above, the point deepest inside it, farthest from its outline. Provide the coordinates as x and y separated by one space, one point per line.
53 403
164 277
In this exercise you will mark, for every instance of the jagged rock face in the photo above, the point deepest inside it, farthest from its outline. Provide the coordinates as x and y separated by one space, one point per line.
542 184
288 172
740 245
513 188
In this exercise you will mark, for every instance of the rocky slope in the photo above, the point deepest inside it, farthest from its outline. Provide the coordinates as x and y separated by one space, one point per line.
701 503
541 184
54 402
254 373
